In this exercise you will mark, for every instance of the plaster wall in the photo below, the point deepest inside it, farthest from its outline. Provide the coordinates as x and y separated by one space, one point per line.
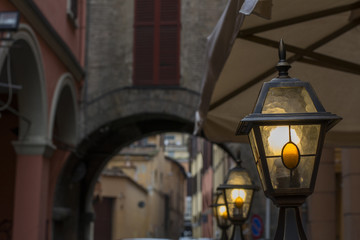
322 220
174 186
72 32
350 194
127 196
163 179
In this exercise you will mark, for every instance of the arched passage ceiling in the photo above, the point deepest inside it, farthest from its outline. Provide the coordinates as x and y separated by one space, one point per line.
323 47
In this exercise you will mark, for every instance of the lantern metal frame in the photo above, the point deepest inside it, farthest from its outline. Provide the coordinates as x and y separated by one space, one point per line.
287 197
224 226
237 233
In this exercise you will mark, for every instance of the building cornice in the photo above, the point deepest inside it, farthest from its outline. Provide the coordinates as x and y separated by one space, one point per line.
41 25
34 147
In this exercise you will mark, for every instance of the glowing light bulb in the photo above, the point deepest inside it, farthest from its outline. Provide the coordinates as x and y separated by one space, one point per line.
238 196
223 212
279 136
290 155
239 202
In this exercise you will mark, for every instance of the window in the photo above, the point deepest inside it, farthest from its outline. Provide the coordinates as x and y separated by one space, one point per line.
156 42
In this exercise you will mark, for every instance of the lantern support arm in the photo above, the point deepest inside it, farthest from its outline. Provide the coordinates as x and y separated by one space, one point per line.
224 235
237 232
279 235
299 224
281 228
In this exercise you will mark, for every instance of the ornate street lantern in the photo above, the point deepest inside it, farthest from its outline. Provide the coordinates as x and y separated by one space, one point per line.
286 132
238 191
221 215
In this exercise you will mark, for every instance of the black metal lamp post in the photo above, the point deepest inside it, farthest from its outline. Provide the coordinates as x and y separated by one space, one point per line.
286 132
221 215
238 191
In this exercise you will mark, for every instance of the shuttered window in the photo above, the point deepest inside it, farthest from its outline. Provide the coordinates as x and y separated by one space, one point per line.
156 42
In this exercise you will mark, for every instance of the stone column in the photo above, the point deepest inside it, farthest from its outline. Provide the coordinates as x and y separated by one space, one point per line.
31 191
321 210
351 192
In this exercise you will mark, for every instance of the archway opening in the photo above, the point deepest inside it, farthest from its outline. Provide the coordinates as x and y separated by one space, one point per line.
78 186
72 205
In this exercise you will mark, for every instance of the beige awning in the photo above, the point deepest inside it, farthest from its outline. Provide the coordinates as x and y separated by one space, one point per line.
322 38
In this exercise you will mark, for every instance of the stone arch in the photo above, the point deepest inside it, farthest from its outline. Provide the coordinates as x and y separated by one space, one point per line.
63 117
27 71
72 212
131 101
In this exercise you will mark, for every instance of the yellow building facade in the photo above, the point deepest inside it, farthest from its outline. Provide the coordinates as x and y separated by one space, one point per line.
148 189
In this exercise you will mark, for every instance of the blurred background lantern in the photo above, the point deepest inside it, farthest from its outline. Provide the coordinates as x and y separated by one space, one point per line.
238 191
220 213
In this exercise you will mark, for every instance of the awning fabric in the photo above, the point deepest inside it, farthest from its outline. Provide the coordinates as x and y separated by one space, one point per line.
323 46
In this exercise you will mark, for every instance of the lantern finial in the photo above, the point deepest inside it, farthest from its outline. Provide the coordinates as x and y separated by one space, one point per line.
282 66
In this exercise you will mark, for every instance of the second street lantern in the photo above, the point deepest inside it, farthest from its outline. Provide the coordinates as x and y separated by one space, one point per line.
286 132
221 215
238 191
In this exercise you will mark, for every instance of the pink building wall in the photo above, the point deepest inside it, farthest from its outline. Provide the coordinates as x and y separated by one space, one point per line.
27 181
74 36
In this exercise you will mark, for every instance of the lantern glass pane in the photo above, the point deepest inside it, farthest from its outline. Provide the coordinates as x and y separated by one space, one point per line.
239 178
220 199
279 174
220 209
261 175
223 220
299 177
288 100
256 154
238 203
222 215
307 137
275 137
306 168
254 146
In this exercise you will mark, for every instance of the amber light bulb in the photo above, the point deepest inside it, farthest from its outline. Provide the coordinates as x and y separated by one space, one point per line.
239 202
290 155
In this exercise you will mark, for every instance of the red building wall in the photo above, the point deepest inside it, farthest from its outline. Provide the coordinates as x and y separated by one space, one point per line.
27 180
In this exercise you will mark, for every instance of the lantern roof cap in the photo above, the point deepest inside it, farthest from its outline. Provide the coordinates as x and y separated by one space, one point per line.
238 177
